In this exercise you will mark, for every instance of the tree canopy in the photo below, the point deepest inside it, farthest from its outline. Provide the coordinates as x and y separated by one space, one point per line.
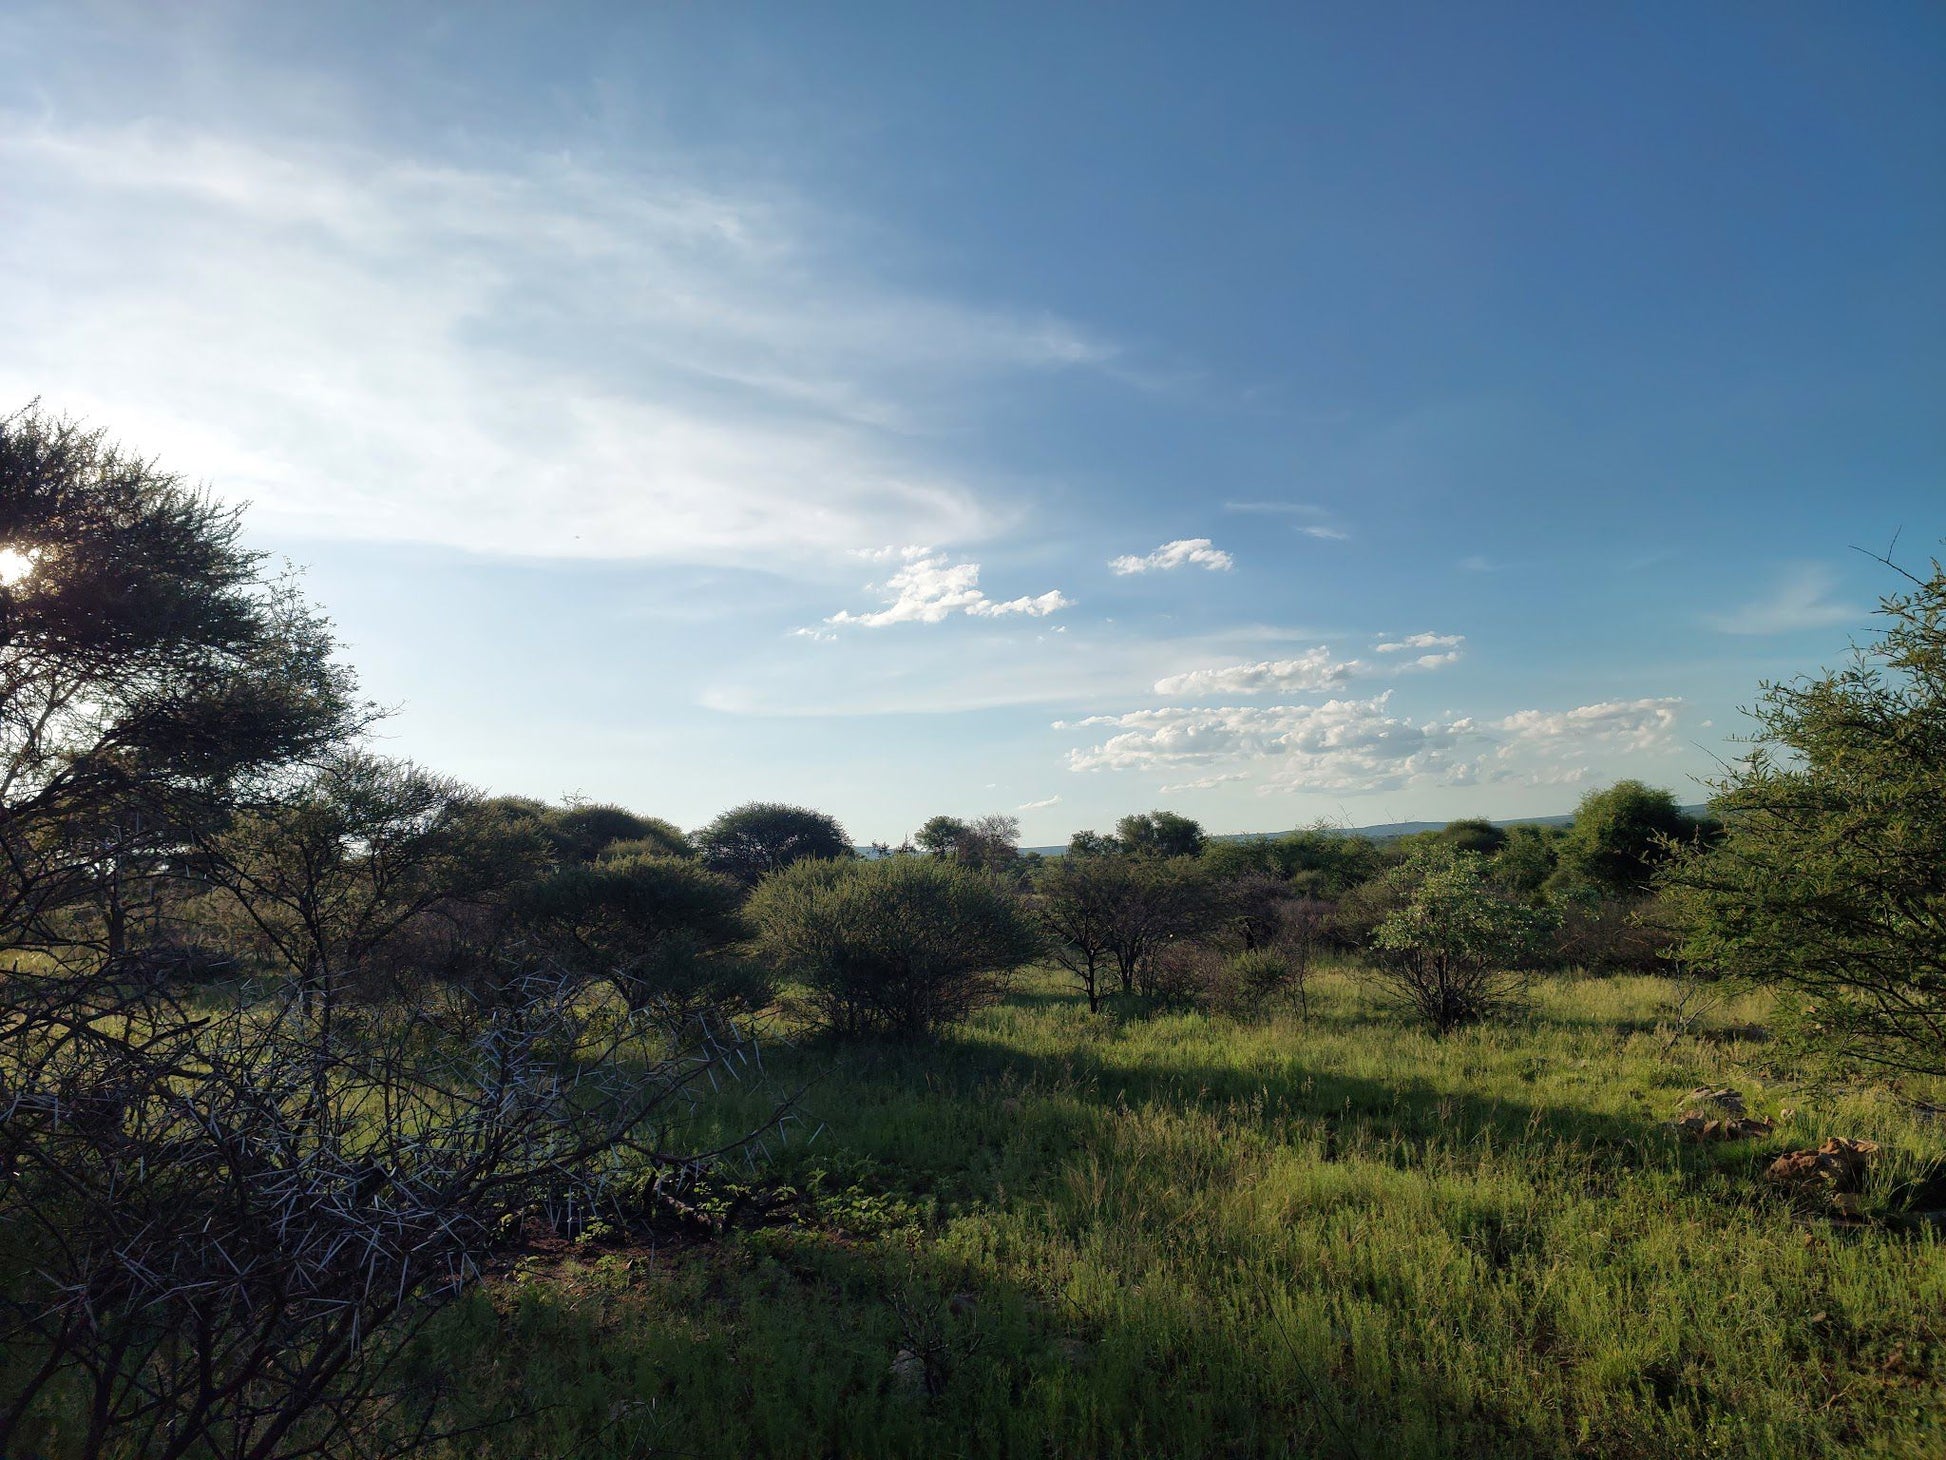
1830 878
1160 834
1621 835
760 837
152 671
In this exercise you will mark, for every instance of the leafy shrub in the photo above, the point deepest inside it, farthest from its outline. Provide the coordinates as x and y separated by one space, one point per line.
1451 951
902 945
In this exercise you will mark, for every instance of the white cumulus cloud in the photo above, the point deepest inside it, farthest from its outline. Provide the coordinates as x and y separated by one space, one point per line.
1628 725
931 586
1341 745
1184 552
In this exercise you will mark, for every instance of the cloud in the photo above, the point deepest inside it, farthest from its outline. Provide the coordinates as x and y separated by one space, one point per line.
1421 641
1628 725
1362 745
1446 646
930 587
1801 600
1321 529
1038 805
533 356
1341 745
1315 669
1207 783
1183 552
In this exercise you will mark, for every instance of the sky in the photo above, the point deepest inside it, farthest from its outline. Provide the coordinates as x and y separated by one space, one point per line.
1275 414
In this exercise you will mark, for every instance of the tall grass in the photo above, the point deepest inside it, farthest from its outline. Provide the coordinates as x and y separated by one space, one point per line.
1065 1234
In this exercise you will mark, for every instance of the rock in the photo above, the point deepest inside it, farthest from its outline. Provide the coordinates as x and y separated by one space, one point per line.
1840 1162
909 1371
1729 1102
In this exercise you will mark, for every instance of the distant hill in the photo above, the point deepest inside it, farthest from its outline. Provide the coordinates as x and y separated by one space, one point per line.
1384 831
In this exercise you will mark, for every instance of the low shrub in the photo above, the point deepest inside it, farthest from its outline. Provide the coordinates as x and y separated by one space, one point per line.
901 945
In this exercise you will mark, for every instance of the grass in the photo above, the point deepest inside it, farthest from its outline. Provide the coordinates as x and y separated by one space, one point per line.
1061 1234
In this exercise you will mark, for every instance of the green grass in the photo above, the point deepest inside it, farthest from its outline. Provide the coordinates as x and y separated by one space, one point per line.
1097 1236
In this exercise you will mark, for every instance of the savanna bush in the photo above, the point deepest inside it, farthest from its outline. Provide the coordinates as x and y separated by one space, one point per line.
1250 982
1454 945
902 945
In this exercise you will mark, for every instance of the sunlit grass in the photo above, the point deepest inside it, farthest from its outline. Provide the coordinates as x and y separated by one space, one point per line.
1189 1236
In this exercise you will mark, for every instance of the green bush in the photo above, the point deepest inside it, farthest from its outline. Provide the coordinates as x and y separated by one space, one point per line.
902 945
1452 949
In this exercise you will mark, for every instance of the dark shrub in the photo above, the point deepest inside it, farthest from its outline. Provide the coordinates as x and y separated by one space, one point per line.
902 945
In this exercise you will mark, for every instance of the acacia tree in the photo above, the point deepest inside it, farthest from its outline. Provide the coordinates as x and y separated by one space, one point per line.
356 852
940 836
1160 834
751 841
219 1223
988 843
1830 878
1622 834
152 674
1079 901
1157 903
661 930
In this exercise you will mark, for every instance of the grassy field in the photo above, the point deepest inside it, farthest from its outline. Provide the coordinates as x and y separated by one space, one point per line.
1061 1234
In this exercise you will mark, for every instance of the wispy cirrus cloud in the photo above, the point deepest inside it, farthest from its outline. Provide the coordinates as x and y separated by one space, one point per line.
1203 783
1802 599
1184 552
1420 641
1040 805
931 587
1320 526
529 356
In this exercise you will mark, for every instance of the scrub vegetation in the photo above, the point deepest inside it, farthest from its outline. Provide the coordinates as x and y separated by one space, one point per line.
349 1110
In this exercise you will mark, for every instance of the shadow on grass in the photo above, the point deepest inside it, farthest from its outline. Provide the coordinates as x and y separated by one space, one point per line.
826 1343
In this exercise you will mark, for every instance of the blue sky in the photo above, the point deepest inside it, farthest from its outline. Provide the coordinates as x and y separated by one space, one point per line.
1282 413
